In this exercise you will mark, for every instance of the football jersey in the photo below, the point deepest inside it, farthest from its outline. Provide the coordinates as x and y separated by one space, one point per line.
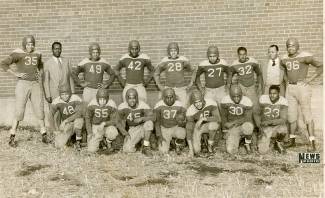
174 70
99 114
236 111
272 111
66 109
129 114
297 67
206 111
134 67
168 113
28 63
213 73
245 71
94 71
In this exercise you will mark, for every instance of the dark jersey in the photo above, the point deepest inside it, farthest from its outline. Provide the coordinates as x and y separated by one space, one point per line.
129 114
93 71
245 71
134 67
213 73
236 111
272 111
98 114
66 109
168 114
207 111
28 63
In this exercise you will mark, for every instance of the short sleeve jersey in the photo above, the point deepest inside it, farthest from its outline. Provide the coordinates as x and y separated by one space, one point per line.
28 63
245 71
134 67
101 114
213 73
67 109
174 70
168 113
206 111
93 70
236 111
271 111
297 67
129 114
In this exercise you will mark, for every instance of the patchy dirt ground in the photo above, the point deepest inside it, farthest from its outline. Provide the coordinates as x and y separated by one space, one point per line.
37 170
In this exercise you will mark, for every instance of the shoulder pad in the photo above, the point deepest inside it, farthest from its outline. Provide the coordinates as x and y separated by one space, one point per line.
304 54
246 101
223 62
159 104
235 62
144 56
57 100
93 102
191 111
182 58
75 97
84 61
123 105
165 59
204 63
111 103
210 102
18 50
143 105
226 100
103 60
178 104
252 60
265 99
283 101
125 56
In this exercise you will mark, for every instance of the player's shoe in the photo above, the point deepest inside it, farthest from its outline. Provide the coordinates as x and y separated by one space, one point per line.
210 148
279 147
290 143
12 141
248 148
78 145
45 138
146 151
312 146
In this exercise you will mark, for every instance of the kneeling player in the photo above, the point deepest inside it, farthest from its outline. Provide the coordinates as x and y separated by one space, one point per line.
138 118
70 109
236 114
170 120
101 115
274 110
202 117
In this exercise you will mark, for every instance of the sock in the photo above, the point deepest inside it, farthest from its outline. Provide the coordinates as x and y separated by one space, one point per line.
311 138
210 142
12 131
43 131
248 141
146 143
292 136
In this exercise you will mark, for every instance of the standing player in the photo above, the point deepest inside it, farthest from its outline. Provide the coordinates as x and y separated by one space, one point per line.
137 117
296 65
101 120
202 117
214 70
170 120
273 119
134 64
93 69
245 67
29 86
70 109
236 114
174 67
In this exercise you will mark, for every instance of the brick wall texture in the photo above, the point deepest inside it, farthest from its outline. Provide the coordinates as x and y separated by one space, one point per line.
195 24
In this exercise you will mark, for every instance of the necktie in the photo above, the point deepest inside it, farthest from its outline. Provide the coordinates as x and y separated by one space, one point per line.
273 64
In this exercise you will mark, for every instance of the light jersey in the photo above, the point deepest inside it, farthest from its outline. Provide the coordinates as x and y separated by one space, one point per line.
174 70
272 111
195 114
28 63
66 109
236 111
99 114
168 113
245 71
94 71
297 67
134 67
213 73
129 114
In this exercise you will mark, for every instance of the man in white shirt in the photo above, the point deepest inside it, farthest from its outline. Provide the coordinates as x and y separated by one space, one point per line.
272 73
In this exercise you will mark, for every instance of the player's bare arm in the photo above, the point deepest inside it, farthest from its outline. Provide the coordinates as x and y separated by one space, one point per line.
259 76
198 80
118 75
159 69
111 79
319 65
88 118
150 76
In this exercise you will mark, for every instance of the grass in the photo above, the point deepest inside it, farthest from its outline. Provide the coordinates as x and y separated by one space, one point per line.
34 169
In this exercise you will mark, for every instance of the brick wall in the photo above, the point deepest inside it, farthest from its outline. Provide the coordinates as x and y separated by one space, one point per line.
193 23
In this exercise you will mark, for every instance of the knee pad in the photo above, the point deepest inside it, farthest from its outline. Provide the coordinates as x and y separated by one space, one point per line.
148 125
78 123
247 128
213 126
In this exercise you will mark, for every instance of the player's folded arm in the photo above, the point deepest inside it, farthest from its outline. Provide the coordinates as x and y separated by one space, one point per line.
283 116
223 114
215 117
53 110
89 113
111 74
190 124
75 72
157 122
198 79
151 72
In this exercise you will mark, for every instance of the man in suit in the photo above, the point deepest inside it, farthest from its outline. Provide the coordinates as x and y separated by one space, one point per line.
271 71
57 72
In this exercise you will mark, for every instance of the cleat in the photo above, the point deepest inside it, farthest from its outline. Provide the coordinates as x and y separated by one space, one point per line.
178 149
248 148
146 151
12 141
312 146
78 145
45 139
290 143
279 147
210 148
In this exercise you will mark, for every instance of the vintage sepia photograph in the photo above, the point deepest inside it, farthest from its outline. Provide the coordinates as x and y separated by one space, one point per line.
161 98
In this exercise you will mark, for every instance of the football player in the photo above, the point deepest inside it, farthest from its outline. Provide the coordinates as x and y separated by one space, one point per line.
138 118
174 67
70 109
134 64
245 68
101 121
214 70
273 119
170 121
93 69
29 85
236 114
296 64
202 117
